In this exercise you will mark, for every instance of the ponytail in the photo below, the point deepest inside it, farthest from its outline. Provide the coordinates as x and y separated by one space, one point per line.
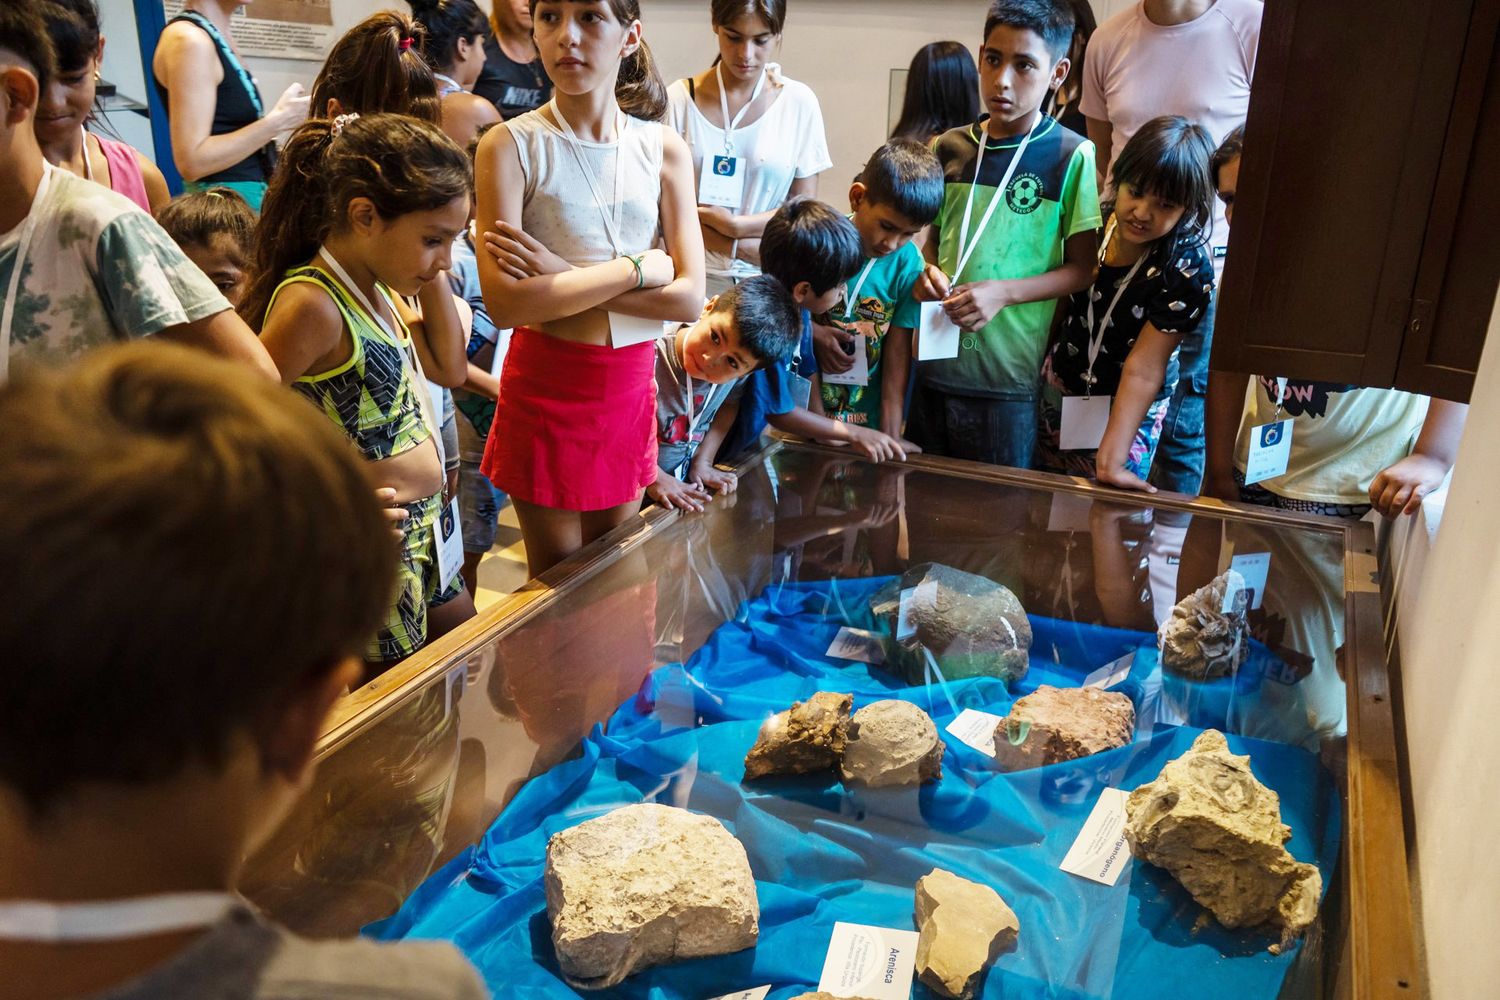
378 66
401 164
294 216
639 90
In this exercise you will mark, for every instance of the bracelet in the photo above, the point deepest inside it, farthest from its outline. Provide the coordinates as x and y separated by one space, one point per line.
640 276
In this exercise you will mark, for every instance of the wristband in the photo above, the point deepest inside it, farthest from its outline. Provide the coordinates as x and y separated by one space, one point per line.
640 276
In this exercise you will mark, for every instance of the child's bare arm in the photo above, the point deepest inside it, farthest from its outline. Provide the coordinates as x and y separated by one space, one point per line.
1145 371
874 445
973 304
895 363
1400 488
701 468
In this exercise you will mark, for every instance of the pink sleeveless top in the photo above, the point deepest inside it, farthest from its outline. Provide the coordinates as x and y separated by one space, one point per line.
124 171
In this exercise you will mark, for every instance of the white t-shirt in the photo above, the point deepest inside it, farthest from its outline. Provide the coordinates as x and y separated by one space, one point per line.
1342 436
1135 70
782 145
97 270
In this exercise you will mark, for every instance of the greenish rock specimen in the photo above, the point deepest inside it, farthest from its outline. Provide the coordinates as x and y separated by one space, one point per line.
958 623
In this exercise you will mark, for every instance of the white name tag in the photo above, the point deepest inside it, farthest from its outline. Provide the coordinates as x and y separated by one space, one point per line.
1100 853
857 644
450 543
627 331
872 962
860 373
1084 419
1254 567
976 729
937 335
1270 451
723 182
1111 673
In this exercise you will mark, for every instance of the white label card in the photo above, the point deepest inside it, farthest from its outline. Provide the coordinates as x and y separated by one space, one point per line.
937 335
723 182
759 993
976 729
448 533
1069 512
860 373
627 331
1111 673
857 644
1255 567
872 962
1100 853
904 627
1270 451
1084 419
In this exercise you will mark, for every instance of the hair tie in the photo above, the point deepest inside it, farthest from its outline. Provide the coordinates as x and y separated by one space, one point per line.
405 43
340 122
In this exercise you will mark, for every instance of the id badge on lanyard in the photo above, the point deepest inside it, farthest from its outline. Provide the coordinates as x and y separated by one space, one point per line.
938 337
1085 418
1270 444
449 538
722 178
860 373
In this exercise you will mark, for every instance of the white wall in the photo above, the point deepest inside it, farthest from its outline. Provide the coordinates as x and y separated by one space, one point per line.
1450 635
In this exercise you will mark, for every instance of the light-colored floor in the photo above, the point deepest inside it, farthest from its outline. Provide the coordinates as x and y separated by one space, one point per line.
503 568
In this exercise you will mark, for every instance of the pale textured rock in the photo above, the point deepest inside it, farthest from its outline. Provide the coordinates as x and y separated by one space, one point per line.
823 996
892 743
1218 830
643 885
962 926
1056 724
1200 640
809 736
972 626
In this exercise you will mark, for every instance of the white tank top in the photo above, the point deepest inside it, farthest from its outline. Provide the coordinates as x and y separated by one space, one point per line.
559 209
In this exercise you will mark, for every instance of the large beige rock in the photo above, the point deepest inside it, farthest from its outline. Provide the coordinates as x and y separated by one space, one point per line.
1218 830
643 885
1202 641
892 743
809 736
962 927
823 996
1056 724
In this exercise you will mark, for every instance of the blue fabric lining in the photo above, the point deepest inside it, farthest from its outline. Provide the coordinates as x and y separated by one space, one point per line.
823 853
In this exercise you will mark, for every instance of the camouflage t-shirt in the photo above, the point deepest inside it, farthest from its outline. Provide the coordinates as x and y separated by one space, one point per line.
98 269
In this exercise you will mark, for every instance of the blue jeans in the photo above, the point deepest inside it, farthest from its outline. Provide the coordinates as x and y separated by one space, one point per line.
1178 465
997 431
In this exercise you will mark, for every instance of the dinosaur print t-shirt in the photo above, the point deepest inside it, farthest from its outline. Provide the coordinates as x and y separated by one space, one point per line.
873 306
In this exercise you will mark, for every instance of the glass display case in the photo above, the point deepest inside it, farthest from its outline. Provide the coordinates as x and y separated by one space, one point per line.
644 668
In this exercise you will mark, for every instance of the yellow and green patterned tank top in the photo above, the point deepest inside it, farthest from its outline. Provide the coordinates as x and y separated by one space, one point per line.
373 395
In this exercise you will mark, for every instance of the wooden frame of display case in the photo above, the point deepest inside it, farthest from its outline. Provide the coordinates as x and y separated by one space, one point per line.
1379 955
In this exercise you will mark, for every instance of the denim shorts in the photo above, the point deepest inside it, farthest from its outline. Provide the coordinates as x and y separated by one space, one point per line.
479 502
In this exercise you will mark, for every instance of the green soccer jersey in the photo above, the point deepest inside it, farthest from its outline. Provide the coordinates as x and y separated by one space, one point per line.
882 301
1052 194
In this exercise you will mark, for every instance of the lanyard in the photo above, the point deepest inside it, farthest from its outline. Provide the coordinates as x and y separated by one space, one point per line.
113 920
611 219
1281 385
851 298
730 126
424 402
88 164
28 228
999 195
1096 334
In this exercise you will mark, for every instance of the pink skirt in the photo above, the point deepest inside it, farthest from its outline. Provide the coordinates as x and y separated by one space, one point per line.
575 424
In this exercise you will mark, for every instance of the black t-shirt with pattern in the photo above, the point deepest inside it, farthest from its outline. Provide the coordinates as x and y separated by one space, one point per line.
1170 291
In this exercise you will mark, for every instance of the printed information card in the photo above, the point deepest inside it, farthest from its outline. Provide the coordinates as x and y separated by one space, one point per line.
857 644
1111 673
872 962
976 729
1100 853
759 993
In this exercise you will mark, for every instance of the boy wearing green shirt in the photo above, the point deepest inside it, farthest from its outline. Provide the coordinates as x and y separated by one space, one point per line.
1016 232
896 197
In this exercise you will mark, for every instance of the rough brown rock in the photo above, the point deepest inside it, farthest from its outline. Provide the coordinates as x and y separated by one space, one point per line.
1055 724
972 626
1218 830
892 743
962 926
823 996
643 885
1200 640
809 736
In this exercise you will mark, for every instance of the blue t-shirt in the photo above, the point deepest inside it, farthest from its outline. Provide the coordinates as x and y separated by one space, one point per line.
770 390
